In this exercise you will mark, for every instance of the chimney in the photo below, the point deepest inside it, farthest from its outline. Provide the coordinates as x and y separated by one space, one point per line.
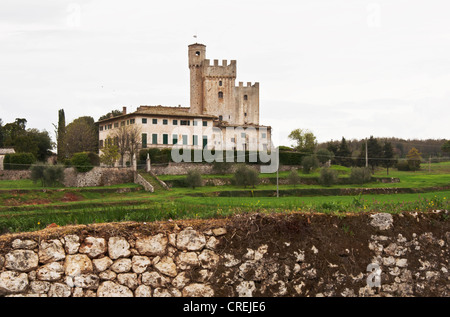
124 111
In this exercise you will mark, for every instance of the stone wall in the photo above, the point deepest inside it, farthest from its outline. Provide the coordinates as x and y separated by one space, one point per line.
98 176
248 255
14 175
204 168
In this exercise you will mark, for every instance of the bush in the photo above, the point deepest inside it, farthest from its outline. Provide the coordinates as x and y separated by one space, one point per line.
403 166
82 162
48 175
246 176
193 179
310 163
18 161
323 155
360 175
327 177
294 178
94 158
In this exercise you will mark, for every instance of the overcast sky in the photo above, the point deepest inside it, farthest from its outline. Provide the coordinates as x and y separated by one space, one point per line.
351 68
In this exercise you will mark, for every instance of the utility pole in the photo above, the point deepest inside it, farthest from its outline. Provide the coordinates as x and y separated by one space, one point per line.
277 182
367 156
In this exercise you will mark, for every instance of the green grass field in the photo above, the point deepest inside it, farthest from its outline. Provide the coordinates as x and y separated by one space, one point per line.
24 206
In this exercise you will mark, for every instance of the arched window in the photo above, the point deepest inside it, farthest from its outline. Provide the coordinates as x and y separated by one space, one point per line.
220 94
245 97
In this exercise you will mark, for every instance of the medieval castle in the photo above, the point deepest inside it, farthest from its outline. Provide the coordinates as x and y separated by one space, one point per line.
222 115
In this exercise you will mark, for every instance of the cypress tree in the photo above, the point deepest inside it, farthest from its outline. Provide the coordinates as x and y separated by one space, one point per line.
61 136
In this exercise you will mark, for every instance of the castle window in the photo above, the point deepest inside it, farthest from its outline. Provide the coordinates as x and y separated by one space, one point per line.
194 123
165 139
195 140
154 138
101 128
144 120
245 97
165 121
154 121
185 122
220 118
205 123
264 135
220 94
220 83
175 122
245 114
174 139
197 53
116 124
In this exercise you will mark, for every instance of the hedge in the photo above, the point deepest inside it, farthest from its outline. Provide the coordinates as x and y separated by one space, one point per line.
82 162
18 161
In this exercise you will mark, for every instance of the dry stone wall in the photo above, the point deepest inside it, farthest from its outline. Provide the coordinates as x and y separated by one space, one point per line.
247 255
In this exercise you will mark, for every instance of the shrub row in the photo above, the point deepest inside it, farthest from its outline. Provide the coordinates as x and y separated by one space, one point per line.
18 161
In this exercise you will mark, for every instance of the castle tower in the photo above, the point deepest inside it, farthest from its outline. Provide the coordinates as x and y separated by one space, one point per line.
213 89
197 54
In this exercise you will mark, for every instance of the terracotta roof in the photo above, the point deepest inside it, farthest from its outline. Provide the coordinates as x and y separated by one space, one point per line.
161 111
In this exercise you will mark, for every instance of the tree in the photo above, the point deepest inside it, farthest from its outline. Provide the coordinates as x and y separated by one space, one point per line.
388 156
48 175
13 130
1 133
61 135
81 136
343 156
360 175
324 155
82 162
327 176
246 176
374 153
294 178
309 163
414 159
446 147
305 140
127 139
193 179
134 135
112 114
36 142
110 153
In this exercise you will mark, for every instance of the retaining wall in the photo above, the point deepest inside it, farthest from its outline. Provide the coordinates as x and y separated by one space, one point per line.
248 255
